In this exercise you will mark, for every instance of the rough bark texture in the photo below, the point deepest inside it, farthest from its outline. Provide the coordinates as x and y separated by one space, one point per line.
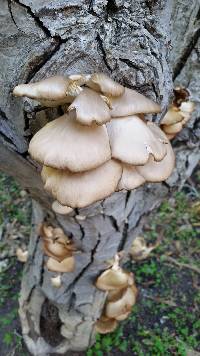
131 41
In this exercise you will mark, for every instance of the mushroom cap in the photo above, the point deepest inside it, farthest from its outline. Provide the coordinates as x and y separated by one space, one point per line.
112 279
130 178
79 190
123 304
154 171
172 116
64 143
22 255
90 108
102 83
187 106
50 91
61 209
106 326
173 129
132 141
67 265
56 281
56 250
132 102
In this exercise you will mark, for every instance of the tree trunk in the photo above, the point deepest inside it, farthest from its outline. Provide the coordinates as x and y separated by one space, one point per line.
132 42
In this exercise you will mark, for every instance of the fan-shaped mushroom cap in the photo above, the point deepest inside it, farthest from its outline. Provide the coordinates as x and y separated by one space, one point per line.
105 326
130 179
90 108
132 102
65 143
112 279
61 209
123 304
132 141
67 265
173 129
82 189
50 91
22 255
123 316
187 106
56 250
171 117
102 83
154 171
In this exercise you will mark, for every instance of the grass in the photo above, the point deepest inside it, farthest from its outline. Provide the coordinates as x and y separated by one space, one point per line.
166 319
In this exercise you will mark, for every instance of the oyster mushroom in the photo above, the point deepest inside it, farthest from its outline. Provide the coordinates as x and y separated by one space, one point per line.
88 107
132 141
61 209
132 102
66 265
64 143
71 189
102 83
106 325
22 255
121 304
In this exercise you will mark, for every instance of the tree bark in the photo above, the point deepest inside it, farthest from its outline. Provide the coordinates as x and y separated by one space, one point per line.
137 43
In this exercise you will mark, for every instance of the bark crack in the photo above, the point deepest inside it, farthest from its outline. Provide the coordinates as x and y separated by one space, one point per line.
100 45
187 50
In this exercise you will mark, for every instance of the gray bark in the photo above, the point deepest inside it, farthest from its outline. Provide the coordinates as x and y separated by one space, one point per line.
134 42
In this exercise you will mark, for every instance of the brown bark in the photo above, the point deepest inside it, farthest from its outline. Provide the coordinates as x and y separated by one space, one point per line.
131 42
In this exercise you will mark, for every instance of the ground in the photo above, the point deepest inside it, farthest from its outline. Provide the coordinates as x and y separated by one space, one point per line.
165 320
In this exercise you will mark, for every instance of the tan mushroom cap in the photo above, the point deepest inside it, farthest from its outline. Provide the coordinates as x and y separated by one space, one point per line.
173 129
112 279
50 91
132 102
123 304
102 83
172 117
64 143
88 107
79 190
67 265
22 255
154 171
132 141
106 326
56 250
130 179
61 209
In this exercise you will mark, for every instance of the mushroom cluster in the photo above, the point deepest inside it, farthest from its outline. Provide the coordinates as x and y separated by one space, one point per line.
59 249
102 144
121 296
178 114
139 249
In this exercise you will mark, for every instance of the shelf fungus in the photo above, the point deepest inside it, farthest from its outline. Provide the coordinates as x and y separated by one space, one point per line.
22 255
121 297
60 251
178 114
102 144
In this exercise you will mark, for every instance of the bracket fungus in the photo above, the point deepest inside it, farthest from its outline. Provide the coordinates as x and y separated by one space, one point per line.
121 297
102 145
178 114
22 255
59 249
139 249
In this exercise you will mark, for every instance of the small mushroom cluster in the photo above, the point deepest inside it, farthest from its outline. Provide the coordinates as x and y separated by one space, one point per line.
59 249
102 144
178 114
139 249
121 297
